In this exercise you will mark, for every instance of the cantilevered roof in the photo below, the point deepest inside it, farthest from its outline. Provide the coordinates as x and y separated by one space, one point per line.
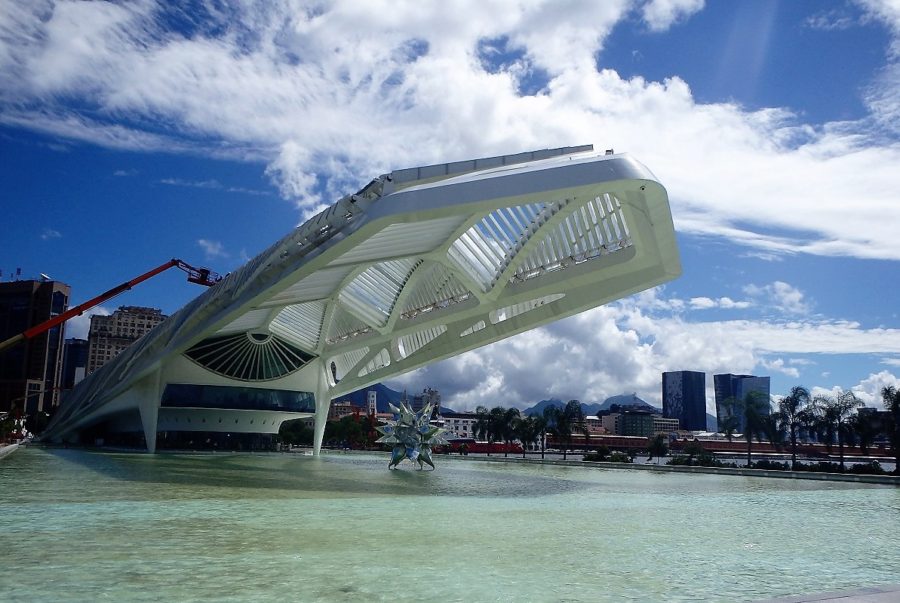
419 265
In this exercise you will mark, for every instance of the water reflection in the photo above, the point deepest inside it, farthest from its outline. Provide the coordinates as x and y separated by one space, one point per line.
84 526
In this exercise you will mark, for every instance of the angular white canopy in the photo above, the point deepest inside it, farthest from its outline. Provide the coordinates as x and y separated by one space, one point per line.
419 265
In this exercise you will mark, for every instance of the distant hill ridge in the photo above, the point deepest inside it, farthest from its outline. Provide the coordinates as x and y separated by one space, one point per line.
594 407
384 396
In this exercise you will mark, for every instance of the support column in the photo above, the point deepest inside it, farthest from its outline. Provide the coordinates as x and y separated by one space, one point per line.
323 404
148 404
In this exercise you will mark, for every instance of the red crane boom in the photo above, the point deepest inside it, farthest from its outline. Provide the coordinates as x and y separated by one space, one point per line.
200 276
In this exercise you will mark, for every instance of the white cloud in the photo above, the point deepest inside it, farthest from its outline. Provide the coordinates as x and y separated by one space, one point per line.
780 366
50 233
660 15
331 97
705 303
212 249
868 390
624 347
891 361
784 297
78 326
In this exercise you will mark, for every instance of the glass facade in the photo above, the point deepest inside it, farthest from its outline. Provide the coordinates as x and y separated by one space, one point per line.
684 398
236 398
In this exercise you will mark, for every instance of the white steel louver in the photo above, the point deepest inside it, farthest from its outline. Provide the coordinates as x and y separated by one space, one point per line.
411 343
371 295
474 328
379 361
249 356
437 288
488 246
341 364
499 315
253 319
344 326
594 229
300 323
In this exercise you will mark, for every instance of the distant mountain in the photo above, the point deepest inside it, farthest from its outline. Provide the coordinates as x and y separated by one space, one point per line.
631 400
384 396
538 409
593 408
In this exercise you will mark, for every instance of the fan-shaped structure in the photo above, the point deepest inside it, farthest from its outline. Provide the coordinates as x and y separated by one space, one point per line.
419 265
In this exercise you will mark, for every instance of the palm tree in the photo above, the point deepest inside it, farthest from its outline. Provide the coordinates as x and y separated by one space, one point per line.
528 431
865 428
791 411
891 397
556 426
835 411
482 426
657 447
571 419
497 422
728 425
540 427
752 408
507 426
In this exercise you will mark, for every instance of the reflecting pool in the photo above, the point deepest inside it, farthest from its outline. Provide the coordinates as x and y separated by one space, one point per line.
83 526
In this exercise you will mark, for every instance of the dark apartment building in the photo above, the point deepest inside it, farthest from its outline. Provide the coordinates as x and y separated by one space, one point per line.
30 371
737 387
684 398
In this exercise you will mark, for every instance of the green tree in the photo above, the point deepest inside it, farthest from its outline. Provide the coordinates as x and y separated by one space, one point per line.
891 397
295 432
507 427
657 447
834 412
527 430
556 426
540 422
482 426
569 419
752 408
792 410
864 427
728 425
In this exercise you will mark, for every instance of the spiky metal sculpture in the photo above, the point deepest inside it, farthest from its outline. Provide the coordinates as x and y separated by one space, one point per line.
412 435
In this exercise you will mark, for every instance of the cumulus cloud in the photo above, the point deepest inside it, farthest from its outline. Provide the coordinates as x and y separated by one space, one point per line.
212 249
332 96
624 347
782 296
50 233
660 15
868 390
706 303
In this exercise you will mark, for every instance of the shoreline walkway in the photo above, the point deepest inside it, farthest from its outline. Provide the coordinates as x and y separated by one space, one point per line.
888 593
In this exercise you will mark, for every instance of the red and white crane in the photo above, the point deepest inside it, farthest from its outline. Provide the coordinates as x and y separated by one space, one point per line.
199 276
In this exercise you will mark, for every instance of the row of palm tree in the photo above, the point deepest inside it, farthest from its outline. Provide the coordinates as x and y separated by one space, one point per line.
509 425
826 418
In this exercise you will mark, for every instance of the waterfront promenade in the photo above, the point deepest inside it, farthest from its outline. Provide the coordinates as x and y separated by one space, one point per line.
889 593
7 449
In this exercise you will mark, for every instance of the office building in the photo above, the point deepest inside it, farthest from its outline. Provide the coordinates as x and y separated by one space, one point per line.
75 357
734 390
684 398
30 371
110 335
428 396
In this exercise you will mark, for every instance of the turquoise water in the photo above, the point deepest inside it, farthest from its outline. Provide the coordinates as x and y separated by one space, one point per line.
82 526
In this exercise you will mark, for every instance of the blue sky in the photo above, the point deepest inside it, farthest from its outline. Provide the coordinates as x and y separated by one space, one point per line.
131 134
